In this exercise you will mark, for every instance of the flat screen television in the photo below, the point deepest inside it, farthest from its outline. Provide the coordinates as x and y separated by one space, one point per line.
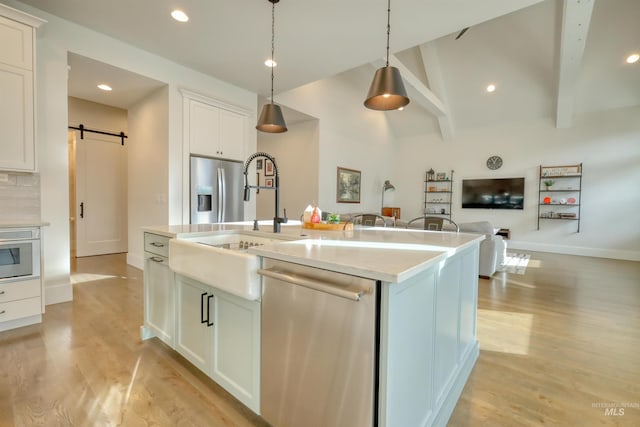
498 193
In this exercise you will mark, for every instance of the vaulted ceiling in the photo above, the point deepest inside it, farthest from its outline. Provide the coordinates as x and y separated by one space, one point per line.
548 59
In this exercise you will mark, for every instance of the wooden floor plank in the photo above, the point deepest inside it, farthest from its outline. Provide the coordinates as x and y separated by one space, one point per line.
554 342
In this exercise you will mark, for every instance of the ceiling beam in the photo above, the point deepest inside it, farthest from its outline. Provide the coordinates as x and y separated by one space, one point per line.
576 17
433 71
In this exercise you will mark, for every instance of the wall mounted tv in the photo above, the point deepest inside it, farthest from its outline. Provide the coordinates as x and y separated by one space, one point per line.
499 193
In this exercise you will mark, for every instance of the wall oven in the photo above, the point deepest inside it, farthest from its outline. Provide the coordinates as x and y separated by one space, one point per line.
19 254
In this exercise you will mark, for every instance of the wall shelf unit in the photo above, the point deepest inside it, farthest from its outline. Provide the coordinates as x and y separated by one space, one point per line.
560 193
438 192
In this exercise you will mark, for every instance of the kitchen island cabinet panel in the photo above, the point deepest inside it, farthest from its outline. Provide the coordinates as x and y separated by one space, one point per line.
219 333
236 347
193 338
423 362
159 298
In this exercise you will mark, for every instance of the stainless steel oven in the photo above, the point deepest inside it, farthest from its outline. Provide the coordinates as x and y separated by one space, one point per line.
19 253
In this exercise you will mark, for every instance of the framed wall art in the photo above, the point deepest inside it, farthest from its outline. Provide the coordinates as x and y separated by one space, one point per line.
268 167
268 182
347 186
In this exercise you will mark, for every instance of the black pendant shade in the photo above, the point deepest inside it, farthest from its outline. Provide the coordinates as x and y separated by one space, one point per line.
387 90
271 119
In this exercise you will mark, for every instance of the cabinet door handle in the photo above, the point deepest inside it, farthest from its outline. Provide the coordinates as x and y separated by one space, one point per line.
202 319
3 311
81 209
209 298
156 259
157 245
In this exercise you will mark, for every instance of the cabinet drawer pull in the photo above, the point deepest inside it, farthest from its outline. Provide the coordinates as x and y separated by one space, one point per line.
1 292
157 245
3 311
202 319
156 259
208 313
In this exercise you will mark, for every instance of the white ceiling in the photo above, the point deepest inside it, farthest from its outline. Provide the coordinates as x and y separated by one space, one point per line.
514 43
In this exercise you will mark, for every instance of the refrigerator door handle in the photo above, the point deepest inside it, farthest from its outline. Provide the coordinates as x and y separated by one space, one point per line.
223 195
219 204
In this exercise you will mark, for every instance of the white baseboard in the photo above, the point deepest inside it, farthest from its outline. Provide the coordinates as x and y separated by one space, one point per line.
135 260
575 250
18 323
462 375
54 294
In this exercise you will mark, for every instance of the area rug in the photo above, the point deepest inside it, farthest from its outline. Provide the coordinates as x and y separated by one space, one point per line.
515 263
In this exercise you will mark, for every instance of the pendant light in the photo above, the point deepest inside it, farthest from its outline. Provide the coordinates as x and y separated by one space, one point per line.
387 90
271 119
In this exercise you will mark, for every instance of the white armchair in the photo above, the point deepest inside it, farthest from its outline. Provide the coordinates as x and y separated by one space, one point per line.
493 249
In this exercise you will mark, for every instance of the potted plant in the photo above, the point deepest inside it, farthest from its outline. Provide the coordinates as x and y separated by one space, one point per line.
548 183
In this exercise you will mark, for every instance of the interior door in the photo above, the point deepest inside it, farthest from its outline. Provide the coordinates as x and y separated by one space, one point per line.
101 196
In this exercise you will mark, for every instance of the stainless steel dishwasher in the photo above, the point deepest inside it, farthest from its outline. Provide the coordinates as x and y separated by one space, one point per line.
319 347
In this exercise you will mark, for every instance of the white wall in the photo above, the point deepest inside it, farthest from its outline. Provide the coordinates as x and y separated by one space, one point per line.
148 169
605 142
54 40
350 136
296 153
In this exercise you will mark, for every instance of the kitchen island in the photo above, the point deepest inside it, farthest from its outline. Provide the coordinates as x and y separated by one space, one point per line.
423 289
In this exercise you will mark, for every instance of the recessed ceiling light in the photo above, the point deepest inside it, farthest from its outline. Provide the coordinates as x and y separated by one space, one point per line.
270 63
103 86
491 88
633 58
400 108
179 16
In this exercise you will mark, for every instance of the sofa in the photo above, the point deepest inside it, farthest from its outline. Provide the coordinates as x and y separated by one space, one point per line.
493 249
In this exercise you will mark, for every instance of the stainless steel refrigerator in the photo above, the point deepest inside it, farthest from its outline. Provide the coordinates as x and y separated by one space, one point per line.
216 190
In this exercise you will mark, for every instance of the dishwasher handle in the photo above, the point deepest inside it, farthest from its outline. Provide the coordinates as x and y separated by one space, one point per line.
316 285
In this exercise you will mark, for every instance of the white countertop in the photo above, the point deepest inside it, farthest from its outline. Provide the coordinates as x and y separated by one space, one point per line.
388 254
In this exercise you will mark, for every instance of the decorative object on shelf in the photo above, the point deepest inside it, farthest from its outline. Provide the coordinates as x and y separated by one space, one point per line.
494 162
569 180
438 198
431 175
271 119
386 186
387 90
347 185
268 167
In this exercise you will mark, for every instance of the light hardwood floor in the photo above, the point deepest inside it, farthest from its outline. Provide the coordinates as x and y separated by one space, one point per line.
555 342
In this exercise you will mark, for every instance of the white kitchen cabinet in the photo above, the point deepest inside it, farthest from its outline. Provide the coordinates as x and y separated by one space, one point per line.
194 336
219 333
17 53
235 362
214 129
159 289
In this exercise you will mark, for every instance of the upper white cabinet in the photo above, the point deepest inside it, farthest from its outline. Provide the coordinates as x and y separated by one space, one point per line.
214 129
17 64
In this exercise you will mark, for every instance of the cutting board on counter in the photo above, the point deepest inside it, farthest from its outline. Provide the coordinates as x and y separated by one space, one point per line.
321 226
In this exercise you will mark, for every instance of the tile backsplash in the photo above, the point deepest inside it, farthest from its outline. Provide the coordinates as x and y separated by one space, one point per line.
19 197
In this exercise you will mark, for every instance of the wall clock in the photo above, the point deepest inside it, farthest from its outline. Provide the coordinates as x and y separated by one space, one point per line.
494 162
